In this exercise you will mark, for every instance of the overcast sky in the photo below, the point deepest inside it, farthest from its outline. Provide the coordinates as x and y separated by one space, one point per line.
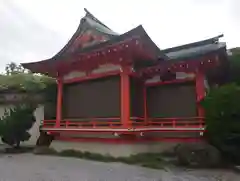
32 30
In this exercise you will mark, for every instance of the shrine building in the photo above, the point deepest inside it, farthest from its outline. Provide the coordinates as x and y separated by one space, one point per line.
120 94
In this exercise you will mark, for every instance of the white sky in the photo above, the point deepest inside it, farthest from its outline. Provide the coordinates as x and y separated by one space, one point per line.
32 30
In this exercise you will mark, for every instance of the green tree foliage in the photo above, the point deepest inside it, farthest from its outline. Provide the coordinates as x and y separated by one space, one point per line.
15 123
25 82
18 78
222 111
222 108
13 68
234 60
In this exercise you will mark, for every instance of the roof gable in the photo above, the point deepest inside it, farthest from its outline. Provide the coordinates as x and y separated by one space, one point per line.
90 31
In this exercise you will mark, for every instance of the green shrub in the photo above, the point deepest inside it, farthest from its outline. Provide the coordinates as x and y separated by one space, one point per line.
222 112
15 123
234 62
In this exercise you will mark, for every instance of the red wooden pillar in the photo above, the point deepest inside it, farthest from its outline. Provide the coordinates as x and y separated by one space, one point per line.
59 101
145 103
200 91
125 98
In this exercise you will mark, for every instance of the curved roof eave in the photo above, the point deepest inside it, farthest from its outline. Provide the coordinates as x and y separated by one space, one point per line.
87 22
136 32
194 49
194 44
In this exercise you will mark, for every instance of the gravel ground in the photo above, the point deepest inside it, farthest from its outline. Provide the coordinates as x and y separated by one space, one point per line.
28 167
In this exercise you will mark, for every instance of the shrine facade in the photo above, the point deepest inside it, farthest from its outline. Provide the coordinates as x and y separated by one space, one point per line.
121 88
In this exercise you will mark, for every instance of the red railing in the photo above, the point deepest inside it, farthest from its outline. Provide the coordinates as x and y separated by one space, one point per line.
84 123
136 123
177 122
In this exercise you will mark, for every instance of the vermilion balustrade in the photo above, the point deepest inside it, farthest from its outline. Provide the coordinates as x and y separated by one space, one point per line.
161 124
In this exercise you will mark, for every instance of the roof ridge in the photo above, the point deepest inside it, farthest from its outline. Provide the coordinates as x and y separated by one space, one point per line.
80 31
194 44
90 15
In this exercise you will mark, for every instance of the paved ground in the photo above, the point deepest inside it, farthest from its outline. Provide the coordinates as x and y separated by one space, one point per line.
28 167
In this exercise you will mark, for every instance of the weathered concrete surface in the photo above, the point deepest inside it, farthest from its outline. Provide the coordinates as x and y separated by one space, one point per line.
28 167
115 150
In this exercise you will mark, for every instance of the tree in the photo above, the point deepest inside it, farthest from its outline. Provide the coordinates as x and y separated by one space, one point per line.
222 111
13 68
234 60
15 123
18 78
222 108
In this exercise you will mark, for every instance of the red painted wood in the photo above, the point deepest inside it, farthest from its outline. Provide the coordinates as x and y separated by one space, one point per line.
189 66
110 126
92 76
59 102
124 52
176 81
123 132
145 105
125 97
200 92
118 53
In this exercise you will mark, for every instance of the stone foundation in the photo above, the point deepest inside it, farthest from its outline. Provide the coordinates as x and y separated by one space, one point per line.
115 150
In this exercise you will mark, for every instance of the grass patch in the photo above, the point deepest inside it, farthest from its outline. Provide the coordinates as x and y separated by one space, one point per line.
153 165
87 155
150 160
22 149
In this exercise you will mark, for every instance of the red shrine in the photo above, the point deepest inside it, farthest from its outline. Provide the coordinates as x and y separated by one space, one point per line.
123 89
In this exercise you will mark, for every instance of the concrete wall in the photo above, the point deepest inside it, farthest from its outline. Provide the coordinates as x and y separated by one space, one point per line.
34 131
116 150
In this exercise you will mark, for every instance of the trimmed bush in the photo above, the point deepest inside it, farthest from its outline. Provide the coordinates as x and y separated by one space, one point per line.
198 155
16 122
